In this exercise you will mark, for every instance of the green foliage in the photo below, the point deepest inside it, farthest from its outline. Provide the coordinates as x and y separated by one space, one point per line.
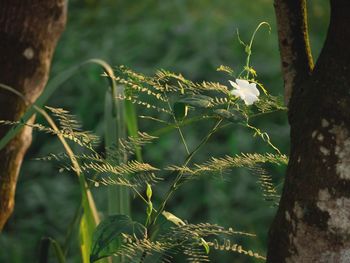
119 235
131 240
192 37
225 164
177 99
114 229
171 93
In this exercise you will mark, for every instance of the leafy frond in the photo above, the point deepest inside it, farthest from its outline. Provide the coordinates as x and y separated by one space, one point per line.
82 138
215 165
226 69
94 157
133 142
219 101
106 172
207 229
270 103
70 127
166 81
192 239
134 84
137 180
228 245
130 173
147 105
134 249
131 240
267 186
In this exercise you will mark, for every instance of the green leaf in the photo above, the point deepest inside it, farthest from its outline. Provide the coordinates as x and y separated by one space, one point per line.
199 101
205 245
180 110
248 50
172 218
149 192
87 222
231 116
149 209
108 236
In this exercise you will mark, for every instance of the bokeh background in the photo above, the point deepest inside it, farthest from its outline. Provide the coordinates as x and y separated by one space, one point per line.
191 37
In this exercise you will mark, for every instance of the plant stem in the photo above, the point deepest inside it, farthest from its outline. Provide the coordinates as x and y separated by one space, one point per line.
177 125
170 127
251 44
180 174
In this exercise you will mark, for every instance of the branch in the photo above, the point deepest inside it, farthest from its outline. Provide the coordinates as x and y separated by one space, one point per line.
296 58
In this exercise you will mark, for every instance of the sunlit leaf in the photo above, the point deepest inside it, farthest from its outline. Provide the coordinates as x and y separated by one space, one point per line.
172 218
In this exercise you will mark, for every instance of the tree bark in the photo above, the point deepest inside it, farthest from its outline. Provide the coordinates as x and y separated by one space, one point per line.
313 219
296 59
29 31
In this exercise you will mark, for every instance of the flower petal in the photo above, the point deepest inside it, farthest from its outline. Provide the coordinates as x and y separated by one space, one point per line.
234 84
253 89
250 99
238 93
242 83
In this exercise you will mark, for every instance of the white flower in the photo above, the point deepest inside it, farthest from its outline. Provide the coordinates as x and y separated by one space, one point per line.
245 90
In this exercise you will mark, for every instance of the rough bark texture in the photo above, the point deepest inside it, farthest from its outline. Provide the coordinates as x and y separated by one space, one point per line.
29 30
313 220
294 45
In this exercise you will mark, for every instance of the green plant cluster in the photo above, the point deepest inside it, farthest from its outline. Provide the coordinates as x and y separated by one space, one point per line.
195 38
122 166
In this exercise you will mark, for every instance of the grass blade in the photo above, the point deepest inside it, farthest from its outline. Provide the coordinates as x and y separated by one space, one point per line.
132 126
44 250
115 130
118 196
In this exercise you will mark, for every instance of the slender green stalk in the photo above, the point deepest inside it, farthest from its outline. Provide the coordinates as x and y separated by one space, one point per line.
118 196
177 125
264 136
44 250
73 224
171 127
177 181
249 47
130 117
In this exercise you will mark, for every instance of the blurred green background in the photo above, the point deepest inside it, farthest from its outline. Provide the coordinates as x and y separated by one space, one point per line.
191 37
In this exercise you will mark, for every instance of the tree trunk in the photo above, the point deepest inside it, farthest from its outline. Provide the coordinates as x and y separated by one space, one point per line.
313 219
29 30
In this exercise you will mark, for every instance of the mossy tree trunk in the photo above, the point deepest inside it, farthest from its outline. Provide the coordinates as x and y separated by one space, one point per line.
29 30
313 219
